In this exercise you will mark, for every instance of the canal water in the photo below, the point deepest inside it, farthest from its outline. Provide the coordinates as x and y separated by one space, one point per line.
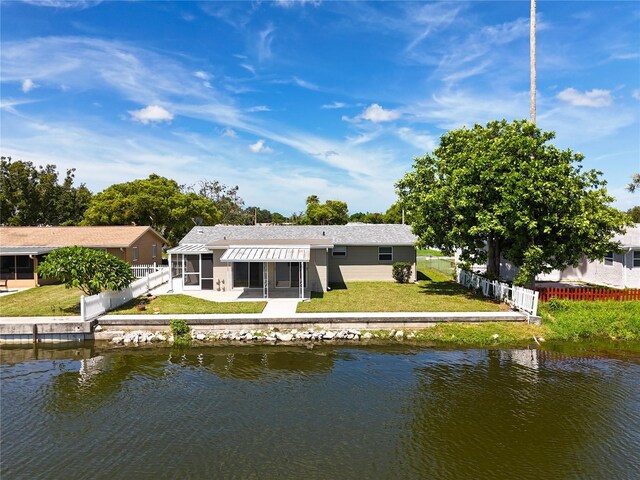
280 412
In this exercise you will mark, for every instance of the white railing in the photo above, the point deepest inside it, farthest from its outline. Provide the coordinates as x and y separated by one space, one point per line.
523 299
141 271
95 305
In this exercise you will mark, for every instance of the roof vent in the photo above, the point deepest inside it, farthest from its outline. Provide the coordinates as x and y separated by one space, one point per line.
323 233
200 231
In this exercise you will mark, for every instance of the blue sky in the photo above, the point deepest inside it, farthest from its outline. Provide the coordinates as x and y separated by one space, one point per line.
292 98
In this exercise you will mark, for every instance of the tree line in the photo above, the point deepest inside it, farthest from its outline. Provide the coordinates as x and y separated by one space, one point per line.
33 195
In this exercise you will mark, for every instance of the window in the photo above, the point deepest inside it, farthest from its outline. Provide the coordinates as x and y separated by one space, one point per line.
339 251
135 254
636 258
154 251
608 258
385 254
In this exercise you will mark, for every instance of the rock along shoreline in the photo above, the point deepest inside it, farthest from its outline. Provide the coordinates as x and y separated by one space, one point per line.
268 336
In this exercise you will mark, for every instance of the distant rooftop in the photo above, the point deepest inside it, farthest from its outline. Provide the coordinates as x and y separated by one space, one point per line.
96 237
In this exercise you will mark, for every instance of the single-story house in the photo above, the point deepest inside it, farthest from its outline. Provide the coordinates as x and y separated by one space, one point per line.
21 248
300 257
619 270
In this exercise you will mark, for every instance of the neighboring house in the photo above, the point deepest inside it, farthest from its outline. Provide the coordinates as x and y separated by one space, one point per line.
619 270
306 258
21 248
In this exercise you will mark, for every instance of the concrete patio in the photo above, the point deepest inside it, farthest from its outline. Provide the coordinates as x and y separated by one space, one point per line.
234 295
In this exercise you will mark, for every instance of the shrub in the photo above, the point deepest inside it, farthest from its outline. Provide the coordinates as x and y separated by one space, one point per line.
179 328
92 271
401 272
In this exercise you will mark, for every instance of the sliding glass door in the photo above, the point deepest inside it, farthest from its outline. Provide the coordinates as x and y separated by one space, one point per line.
288 275
247 275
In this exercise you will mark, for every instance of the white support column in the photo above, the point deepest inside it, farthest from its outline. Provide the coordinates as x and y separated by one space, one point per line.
265 280
170 274
300 280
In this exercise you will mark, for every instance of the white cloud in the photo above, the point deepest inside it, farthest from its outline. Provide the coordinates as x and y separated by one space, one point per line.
292 3
297 81
376 114
202 75
248 67
259 108
152 113
123 71
305 84
28 85
451 109
77 4
481 50
430 18
636 94
265 38
422 141
260 147
229 132
333 106
595 98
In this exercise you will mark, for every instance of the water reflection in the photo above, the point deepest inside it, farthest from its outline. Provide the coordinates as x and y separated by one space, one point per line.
524 412
331 412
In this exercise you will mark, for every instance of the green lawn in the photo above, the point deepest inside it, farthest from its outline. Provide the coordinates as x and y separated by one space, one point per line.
436 292
179 303
56 300
572 320
429 252
41 302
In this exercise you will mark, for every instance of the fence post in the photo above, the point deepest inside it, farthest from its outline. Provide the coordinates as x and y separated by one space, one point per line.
83 315
535 303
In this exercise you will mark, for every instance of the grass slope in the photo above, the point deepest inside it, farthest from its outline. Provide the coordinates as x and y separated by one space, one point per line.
41 302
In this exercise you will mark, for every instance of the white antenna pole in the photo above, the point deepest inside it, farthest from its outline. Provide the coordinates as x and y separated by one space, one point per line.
532 66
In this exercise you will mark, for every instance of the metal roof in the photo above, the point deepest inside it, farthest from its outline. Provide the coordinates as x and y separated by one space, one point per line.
267 254
10 251
361 234
189 249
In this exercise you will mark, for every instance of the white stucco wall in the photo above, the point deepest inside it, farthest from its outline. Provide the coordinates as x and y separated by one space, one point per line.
622 274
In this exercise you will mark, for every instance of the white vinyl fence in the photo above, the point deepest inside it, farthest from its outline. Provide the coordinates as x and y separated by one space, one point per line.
523 299
95 305
141 271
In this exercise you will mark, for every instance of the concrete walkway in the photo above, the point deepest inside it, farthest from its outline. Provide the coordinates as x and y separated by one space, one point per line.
280 308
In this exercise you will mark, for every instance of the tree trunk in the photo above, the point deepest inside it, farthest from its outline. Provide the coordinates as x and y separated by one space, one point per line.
493 257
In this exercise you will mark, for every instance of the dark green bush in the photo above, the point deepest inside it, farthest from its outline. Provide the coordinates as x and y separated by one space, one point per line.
179 328
401 272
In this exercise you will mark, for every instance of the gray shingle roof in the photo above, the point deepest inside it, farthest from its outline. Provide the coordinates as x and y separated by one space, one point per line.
360 234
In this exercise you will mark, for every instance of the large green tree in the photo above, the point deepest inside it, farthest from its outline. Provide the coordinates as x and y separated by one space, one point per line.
31 195
227 201
332 212
92 271
634 214
503 191
156 201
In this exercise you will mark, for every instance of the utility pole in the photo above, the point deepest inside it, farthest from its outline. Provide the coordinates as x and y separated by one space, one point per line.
532 66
